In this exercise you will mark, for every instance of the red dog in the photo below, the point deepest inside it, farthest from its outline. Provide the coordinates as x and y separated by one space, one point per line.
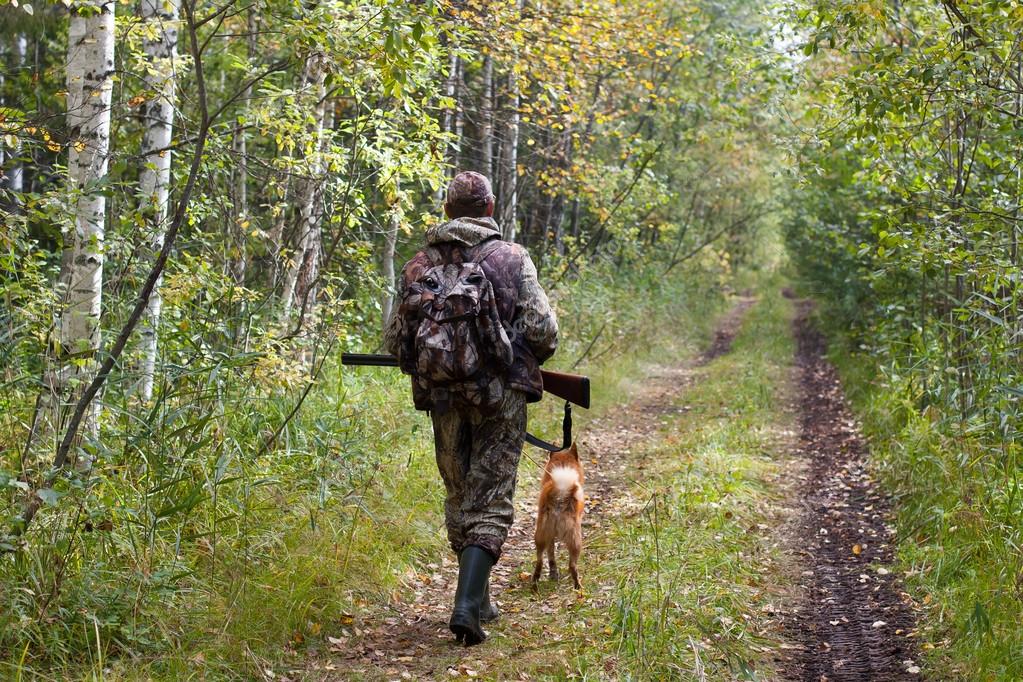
560 515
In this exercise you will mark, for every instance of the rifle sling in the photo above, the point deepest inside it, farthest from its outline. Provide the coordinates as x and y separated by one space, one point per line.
566 430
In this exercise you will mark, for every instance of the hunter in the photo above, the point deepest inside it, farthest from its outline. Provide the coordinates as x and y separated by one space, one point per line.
472 325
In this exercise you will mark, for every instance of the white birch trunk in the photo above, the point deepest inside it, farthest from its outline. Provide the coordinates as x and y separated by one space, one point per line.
90 67
239 260
456 149
390 243
487 117
508 210
158 112
448 119
15 178
308 192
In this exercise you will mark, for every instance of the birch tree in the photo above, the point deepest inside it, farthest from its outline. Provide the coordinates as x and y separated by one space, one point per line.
90 67
16 174
159 45
487 117
309 192
509 179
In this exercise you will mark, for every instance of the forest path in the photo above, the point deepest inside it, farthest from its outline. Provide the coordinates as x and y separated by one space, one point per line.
410 638
853 623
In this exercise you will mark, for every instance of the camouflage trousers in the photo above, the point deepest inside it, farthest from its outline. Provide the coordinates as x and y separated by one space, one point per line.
478 457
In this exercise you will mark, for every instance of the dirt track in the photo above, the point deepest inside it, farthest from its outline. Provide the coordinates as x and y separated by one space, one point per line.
410 639
849 622
852 624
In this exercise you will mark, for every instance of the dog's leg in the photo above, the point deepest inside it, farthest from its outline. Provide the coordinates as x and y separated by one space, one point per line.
539 562
575 547
551 564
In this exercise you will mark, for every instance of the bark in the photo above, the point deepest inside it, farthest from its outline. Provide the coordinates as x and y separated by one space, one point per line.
303 267
239 258
508 201
558 210
390 243
487 118
90 66
82 405
15 177
158 115
456 148
448 119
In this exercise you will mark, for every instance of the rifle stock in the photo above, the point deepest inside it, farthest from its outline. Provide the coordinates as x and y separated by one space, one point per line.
571 387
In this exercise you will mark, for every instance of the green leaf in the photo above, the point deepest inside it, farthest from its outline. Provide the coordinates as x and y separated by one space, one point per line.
49 496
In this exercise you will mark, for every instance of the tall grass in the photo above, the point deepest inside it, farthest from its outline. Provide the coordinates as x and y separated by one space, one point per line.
224 526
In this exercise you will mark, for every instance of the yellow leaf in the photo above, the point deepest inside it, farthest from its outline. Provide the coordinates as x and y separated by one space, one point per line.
857 549
53 146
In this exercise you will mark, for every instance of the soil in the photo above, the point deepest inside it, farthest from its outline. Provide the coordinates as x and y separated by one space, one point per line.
410 638
853 622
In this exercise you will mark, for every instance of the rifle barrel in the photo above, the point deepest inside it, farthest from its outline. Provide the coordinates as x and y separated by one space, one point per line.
369 360
571 387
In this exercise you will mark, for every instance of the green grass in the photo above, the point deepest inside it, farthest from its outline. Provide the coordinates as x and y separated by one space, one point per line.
311 536
682 581
960 520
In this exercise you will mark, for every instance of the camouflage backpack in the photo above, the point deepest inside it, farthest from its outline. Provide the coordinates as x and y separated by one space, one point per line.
452 340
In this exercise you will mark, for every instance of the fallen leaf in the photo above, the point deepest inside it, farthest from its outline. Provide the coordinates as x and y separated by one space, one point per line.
857 550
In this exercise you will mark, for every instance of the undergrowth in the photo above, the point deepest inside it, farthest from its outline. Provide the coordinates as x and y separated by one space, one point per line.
255 514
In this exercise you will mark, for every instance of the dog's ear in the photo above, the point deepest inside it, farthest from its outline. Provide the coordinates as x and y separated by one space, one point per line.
574 450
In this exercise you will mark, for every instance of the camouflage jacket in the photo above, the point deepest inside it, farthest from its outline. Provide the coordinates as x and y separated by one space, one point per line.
522 305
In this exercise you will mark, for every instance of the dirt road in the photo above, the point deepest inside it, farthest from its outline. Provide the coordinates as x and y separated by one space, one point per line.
846 620
852 623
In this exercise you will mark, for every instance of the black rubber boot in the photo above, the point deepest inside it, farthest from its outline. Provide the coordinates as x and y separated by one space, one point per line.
474 566
488 611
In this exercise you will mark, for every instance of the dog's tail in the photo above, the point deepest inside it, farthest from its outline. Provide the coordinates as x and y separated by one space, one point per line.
565 478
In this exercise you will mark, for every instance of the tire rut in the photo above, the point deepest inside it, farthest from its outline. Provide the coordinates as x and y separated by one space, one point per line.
853 624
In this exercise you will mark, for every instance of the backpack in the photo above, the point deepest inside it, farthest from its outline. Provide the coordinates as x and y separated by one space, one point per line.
452 341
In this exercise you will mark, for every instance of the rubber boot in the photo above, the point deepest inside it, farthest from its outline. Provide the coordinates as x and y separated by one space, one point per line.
488 611
474 566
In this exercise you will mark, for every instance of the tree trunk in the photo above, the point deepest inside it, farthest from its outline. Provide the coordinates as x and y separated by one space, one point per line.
90 66
456 149
239 257
509 163
305 260
156 141
15 177
390 243
487 118
448 120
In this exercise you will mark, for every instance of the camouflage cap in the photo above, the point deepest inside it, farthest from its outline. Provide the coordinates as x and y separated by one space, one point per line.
469 190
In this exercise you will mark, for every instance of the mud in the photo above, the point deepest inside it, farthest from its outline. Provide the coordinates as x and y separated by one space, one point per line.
853 623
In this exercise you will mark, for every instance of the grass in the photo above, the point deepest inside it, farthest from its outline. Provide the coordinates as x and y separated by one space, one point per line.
307 539
680 584
960 520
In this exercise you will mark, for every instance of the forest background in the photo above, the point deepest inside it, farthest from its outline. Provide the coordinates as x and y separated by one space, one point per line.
205 202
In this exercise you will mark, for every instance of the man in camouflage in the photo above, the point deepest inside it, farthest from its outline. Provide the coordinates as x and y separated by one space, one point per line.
478 450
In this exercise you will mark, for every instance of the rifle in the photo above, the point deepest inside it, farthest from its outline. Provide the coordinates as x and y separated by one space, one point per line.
573 388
